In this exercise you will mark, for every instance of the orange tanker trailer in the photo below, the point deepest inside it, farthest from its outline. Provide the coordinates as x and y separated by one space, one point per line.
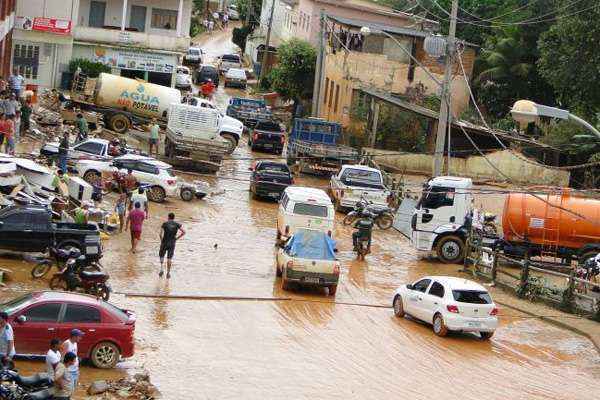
561 224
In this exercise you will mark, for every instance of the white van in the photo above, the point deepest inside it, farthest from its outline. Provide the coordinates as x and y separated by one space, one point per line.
302 207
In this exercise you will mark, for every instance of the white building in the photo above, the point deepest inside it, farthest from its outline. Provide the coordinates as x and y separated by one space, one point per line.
136 38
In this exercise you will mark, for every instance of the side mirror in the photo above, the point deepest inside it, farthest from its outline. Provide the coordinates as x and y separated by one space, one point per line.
409 286
21 319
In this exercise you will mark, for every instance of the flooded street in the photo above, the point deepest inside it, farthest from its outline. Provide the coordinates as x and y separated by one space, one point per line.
275 344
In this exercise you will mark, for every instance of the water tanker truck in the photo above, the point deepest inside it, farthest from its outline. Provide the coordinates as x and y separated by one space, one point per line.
561 225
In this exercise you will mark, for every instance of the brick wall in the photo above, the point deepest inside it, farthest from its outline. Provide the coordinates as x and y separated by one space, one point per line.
436 67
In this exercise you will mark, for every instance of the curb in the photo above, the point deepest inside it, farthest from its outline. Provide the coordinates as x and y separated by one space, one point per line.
558 323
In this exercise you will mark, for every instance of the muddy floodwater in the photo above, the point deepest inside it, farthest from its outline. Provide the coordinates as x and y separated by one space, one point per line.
301 344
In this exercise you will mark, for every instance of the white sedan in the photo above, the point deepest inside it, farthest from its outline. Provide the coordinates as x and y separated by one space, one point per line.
183 78
449 304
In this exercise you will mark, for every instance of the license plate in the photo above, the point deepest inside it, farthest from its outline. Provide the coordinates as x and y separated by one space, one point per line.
473 324
268 146
273 194
91 250
310 279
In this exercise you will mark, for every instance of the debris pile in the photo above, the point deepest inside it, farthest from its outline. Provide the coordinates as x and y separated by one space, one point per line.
136 387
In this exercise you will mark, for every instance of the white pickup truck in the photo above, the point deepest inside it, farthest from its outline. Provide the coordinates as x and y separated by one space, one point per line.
354 182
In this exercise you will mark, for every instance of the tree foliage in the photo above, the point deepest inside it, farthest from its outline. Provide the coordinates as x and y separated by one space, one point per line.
242 6
570 59
294 75
90 68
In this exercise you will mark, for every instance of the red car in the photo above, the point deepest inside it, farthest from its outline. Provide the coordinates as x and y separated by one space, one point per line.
38 317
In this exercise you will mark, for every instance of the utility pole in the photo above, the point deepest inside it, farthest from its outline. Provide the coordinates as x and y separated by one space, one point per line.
316 103
265 59
438 157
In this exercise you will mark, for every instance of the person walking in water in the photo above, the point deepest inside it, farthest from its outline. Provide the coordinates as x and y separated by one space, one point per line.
171 231
135 220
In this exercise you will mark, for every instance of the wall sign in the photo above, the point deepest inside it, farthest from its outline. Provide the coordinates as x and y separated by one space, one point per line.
51 25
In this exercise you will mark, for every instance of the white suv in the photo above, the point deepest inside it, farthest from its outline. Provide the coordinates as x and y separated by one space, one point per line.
147 170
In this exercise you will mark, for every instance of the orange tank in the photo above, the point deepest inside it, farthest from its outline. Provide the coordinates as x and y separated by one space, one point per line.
528 217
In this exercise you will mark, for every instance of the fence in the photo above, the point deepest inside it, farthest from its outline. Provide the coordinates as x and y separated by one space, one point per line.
532 279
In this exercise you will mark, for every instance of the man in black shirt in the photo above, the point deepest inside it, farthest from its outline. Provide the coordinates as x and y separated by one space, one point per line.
170 233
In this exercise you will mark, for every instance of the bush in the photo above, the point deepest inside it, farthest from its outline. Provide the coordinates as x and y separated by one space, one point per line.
240 35
90 68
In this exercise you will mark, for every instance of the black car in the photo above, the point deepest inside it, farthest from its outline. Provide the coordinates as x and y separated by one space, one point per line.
267 135
269 179
205 73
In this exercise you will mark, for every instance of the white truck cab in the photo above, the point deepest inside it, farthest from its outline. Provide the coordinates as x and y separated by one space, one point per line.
355 181
304 208
436 222
229 128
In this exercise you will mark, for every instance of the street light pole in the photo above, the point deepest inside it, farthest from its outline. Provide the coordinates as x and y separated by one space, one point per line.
438 157
265 59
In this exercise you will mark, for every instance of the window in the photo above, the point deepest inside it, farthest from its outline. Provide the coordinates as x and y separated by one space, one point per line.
15 218
164 19
437 197
310 209
337 98
147 168
325 92
90 147
471 296
362 178
43 313
330 94
422 285
26 60
81 313
16 304
124 164
437 289
284 200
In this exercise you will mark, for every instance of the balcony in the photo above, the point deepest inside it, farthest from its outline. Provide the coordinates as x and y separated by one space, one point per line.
131 39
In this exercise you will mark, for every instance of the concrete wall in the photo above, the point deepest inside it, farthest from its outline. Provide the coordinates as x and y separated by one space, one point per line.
476 167
62 9
354 70
114 12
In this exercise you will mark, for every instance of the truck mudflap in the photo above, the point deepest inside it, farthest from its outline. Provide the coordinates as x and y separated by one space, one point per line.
404 215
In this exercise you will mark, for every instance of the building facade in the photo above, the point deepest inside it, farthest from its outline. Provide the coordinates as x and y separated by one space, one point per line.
135 38
377 62
7 23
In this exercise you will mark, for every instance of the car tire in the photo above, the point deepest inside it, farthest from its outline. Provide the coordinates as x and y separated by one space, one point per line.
398 307
157 194
186 194
450 249
119 123
232 142
439 327
105 355
92 177
385 221
332 289
486 335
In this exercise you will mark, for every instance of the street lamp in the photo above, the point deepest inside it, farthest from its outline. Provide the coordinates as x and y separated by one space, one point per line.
527 111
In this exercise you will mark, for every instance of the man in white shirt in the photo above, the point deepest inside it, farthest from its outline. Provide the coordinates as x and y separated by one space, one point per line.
140 197
70 346
7 338
53 357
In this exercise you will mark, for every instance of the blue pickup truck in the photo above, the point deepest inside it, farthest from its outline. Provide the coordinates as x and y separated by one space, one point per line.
313 144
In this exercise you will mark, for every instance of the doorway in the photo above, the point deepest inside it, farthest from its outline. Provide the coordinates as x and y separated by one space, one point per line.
97 14
160 78
133 74
137 18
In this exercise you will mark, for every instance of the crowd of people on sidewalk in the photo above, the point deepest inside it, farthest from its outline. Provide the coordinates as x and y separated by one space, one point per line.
214 20
15 112
62 361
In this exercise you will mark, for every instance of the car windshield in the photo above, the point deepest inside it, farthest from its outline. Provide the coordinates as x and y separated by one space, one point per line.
194 52
231 58
310 209
208 70
472 296
16 304
362 178
274 168
268 126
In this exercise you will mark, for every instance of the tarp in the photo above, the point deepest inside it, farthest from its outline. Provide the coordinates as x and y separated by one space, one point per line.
313 245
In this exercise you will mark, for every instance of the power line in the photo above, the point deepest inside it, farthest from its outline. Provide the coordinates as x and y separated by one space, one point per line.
501 15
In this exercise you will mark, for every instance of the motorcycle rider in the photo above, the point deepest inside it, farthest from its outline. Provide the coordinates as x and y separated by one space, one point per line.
207 89
364 226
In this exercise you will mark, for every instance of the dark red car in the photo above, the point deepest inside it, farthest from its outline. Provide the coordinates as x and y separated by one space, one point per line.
38 317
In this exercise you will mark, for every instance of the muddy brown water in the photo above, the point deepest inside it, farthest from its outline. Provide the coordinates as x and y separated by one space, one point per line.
308 347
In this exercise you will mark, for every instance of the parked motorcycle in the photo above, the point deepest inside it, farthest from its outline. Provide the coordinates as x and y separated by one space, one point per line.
589 271
60 257
383 216
73 277
16 387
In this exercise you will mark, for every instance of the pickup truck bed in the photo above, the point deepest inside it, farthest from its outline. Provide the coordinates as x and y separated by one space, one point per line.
198 154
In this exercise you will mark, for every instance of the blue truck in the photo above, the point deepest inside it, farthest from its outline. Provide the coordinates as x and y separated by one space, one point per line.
249 111
313 145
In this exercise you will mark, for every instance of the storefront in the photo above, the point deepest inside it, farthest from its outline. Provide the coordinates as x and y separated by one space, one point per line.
154 67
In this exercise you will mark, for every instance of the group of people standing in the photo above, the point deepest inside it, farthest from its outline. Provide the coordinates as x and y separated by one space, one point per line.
216 18
15 112
62 362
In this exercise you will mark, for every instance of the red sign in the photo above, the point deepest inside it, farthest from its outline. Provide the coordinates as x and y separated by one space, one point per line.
52 25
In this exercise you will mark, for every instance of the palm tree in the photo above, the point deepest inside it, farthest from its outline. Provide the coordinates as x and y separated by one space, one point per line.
508 60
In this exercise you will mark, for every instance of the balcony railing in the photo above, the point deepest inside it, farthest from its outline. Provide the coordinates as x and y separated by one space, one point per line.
129 38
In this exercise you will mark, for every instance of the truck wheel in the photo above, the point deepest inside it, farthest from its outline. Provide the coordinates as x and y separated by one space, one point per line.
105 355
232 142
157 194
92 177
450 249
119 123
186 194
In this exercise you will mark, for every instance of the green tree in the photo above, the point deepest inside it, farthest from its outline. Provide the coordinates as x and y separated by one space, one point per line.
294 75
570 60
242 6
90 68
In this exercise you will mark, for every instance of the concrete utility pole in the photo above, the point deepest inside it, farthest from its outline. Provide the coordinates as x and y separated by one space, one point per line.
438 157
316 103
265 59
